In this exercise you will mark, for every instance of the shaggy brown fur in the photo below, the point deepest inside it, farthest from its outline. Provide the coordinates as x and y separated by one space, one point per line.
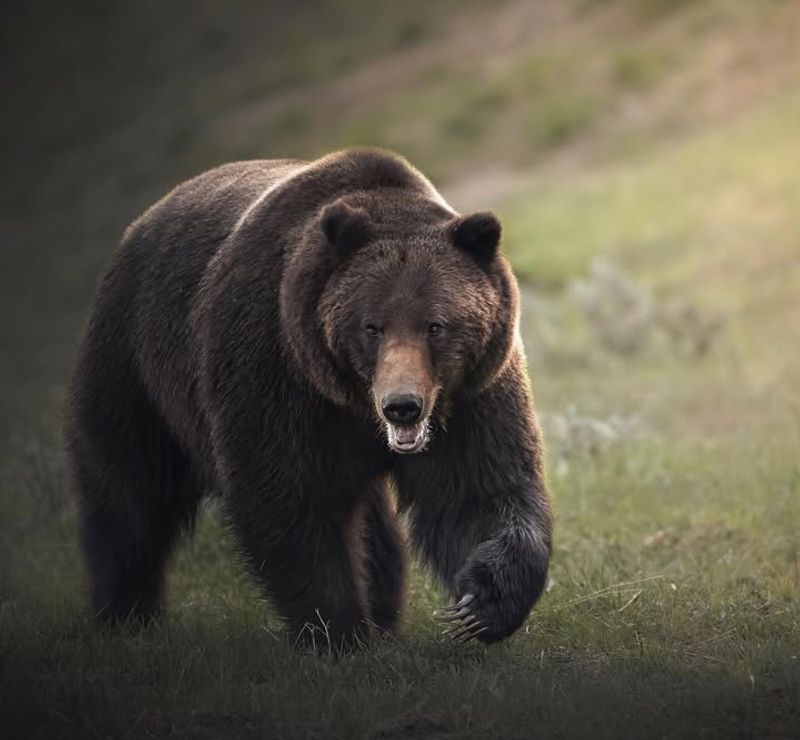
264 331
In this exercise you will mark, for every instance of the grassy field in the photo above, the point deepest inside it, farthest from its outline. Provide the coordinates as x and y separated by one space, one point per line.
651 212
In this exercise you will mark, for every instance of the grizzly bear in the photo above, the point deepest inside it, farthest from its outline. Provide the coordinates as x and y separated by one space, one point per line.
300 338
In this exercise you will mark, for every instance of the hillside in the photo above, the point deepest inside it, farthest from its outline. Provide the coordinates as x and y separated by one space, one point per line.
111 107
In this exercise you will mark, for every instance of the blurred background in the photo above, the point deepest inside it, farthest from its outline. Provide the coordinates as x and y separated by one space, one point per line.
644 156
641 152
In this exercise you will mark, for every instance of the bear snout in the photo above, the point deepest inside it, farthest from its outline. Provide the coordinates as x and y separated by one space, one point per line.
404 392
402 408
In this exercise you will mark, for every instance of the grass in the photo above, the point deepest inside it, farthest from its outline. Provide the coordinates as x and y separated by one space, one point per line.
644 10
674 605
559 117
640 70
673 211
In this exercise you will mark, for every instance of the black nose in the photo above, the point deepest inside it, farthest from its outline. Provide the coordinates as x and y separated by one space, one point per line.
402 408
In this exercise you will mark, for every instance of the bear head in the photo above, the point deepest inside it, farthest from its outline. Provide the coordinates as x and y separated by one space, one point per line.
395 306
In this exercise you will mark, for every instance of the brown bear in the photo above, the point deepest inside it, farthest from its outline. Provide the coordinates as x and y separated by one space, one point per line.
295 336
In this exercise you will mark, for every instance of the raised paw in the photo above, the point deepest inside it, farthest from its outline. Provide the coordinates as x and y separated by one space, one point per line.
495 589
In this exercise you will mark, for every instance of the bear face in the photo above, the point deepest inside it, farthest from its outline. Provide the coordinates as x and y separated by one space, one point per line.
417 307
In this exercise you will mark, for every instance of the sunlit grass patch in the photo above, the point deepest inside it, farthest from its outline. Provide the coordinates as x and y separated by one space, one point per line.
554 119
696 206
639 70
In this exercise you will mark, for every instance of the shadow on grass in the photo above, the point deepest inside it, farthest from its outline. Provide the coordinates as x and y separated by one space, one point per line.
206 675
665 665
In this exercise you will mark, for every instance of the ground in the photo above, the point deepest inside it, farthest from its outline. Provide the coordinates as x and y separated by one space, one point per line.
667 376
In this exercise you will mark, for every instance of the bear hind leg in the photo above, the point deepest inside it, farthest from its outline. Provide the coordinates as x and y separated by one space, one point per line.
136 495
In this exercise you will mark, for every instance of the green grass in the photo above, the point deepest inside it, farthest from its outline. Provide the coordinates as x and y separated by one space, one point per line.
557 118
640 70
715 201
644 10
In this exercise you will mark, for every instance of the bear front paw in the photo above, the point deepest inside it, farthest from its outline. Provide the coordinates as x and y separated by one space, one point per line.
494 594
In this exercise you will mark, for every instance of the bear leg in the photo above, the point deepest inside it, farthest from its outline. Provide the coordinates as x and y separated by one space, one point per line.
135 495
387 561
311 562
126 542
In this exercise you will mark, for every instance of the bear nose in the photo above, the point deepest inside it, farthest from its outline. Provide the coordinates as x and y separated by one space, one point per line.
402 408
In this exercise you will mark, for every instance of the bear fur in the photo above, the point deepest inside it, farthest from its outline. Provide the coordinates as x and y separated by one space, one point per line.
297 336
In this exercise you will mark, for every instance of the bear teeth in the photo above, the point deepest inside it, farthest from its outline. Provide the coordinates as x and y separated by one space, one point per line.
407 438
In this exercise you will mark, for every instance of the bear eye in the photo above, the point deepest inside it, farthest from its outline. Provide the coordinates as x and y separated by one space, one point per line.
434 329
371 330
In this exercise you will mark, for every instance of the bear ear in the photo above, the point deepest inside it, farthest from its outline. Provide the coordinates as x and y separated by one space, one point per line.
346 228
478 235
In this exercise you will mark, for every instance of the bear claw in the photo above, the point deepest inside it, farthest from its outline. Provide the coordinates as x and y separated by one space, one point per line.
464 632
470 635
455 617
465 601
467 625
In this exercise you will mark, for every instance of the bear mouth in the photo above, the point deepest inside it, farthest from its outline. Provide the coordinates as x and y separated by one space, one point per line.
407 438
